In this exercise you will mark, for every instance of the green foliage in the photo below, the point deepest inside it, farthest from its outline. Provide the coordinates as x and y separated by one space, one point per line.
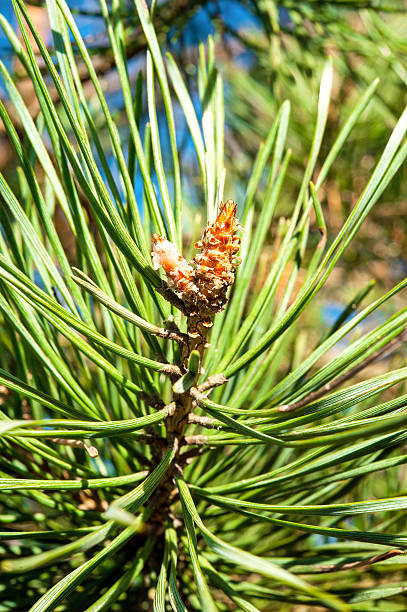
289 57
258 474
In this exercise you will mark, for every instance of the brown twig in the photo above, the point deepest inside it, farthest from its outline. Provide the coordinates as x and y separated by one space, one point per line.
216 380
324 569
314 395
169 334
196 394
91 450
172 331
152 400
171 370
198 439
195 419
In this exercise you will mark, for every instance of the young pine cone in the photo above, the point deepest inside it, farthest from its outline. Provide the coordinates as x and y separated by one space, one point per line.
203 285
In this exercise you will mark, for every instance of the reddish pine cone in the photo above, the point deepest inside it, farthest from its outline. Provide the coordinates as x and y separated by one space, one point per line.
203 287
215 266
179 273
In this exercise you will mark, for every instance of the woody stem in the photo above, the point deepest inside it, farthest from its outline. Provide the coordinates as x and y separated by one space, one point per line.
197 333
177 422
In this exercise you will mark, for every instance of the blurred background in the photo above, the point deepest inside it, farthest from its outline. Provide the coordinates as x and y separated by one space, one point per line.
268 52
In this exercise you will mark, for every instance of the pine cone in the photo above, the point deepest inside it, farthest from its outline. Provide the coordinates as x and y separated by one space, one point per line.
203 285
215 266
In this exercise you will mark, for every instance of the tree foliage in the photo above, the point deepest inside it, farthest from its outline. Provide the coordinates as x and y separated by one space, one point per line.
144 462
